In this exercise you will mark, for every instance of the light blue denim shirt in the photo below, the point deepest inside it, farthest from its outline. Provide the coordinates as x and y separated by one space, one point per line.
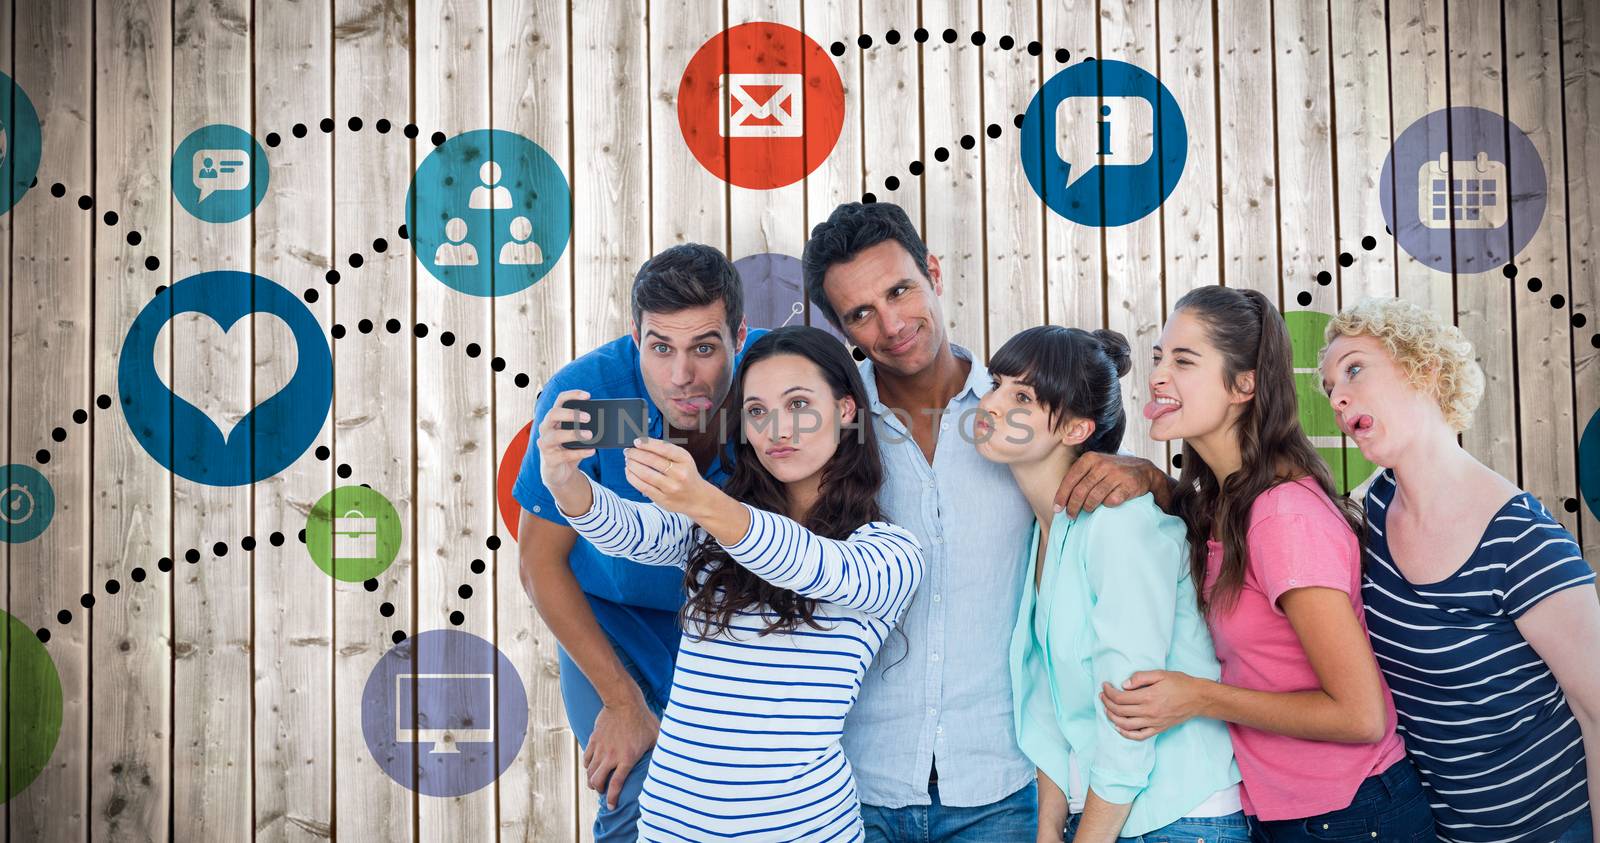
948 698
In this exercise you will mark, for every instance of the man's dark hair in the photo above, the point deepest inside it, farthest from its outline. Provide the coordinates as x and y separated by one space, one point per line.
684 276
851 228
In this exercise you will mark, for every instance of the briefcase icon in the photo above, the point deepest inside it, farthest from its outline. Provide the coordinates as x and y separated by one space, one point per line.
762 105
355 536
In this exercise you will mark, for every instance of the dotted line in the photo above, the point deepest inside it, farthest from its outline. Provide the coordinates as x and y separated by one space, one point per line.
383 126
110 218
950 36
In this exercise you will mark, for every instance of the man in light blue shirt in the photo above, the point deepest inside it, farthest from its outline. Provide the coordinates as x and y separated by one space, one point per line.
932 738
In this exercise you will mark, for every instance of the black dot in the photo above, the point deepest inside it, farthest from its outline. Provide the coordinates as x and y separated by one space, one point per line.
456 618
86 601
420 330
191 556
337 331
838 48
498 364
219 549
1535 285
1019 120
152 263
447 339
968 141
112 586
1570 504
1304 298
44 635
1035 48
522 381
103 401
1345 259
58 190
80 416
1007 42
1558 301
164 564
1595 340
858 354
63 617
380 245
43 456
398 636
325 124
891 183
310 295
921 35
86 202
364 326
941 154
978 38
437 138
110 218
492 542
477 566
1509 270
276 539
59 434
356 259
331 276
134 238
301 536
1369 242
915 168
1177 460
137 575
382 125
892 36
370 585
864 41
323 453
950 36
299 130
387 610
1324 278
1063 55
465 591
410 130
247 544
343 471
392 326
1579 320
355 124
273 139
993 130
404 232
473 350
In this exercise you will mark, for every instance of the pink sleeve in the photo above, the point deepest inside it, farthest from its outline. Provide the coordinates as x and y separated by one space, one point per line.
1294 550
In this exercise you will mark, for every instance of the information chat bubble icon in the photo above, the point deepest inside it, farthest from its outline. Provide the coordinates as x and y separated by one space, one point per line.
220 169
1103 131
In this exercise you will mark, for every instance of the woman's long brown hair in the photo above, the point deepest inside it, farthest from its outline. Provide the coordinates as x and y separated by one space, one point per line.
1251 336
847 495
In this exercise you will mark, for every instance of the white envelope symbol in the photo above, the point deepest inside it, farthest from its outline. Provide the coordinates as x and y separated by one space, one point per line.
763 105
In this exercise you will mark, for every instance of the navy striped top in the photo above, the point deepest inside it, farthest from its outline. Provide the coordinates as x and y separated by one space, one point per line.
749 744
1499 752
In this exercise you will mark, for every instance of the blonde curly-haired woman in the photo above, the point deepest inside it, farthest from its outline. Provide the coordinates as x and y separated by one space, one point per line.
1481 609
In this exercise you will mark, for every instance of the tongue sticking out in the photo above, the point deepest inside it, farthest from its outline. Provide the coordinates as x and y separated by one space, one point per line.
697 403
1155 410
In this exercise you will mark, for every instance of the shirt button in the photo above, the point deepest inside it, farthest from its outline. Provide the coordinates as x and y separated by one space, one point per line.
930 484
538 508
935 657
935 598
944 426
932 712
938 539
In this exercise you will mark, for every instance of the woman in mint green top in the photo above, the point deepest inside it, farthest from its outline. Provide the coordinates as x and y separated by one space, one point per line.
1107 594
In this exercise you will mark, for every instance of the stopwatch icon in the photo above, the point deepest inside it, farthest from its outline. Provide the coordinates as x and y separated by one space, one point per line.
17 505
27 503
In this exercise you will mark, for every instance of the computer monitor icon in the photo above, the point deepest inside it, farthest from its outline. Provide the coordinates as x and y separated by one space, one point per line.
445 709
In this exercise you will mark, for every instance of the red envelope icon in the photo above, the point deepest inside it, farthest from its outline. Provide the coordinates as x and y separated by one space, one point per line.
763 105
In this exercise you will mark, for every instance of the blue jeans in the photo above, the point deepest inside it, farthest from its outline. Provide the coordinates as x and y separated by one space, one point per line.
1229 829
582 702
1388 807
1013 818
1581 830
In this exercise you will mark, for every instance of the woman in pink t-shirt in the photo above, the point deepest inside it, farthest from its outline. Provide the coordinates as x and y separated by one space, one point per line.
1312 722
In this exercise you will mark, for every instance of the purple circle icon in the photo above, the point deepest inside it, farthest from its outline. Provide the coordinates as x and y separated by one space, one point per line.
774 293
1463 190
444 713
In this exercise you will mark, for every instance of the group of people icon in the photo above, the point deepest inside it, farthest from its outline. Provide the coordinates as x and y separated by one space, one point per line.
490 195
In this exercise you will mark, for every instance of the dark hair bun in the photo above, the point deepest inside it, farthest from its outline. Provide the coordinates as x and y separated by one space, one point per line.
1117 348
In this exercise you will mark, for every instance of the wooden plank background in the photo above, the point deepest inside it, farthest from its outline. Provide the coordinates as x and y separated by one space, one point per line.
221 702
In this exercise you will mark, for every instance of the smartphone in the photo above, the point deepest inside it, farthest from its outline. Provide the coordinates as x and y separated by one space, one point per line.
613 422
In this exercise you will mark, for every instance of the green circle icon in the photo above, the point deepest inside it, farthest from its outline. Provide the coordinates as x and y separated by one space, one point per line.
32 699
353 533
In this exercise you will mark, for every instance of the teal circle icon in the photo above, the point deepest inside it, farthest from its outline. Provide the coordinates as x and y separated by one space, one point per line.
27 503
33 705
353 533
1589 464
19 143
490 213
220 173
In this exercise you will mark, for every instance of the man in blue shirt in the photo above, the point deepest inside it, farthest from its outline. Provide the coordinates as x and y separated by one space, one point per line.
617 621
947 699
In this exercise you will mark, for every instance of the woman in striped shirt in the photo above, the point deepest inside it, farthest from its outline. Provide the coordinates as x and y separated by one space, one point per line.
1482 611
794 579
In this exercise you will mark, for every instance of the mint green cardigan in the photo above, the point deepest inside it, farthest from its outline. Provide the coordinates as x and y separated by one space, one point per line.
1116 597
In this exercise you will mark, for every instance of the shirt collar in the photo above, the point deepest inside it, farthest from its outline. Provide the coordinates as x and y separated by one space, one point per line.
977 380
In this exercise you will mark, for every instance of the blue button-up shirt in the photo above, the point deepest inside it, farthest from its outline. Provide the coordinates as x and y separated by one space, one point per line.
947 698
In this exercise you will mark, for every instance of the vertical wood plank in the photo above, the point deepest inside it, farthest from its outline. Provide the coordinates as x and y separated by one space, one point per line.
1013 221
1580 32
1418 86
688 203
213 783
1305 156
1076 269
132 654
1249 180
891 82
838 179
767 220
373 395
1191 215
51 287
1359 89
953 213
293 653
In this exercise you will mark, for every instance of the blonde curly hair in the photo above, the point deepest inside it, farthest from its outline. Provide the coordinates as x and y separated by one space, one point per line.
1436 357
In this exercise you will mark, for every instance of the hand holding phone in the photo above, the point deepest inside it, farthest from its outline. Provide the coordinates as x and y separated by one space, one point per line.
612 422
